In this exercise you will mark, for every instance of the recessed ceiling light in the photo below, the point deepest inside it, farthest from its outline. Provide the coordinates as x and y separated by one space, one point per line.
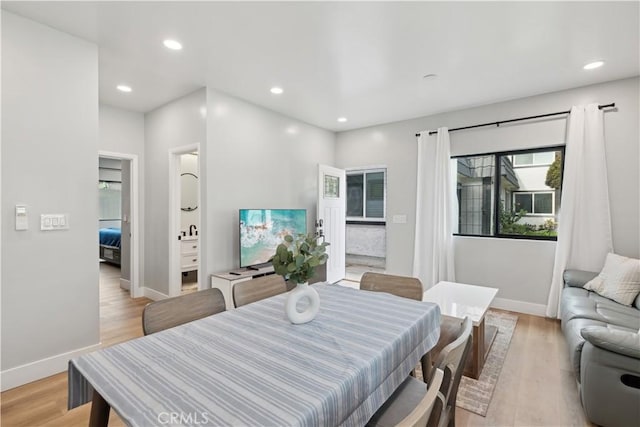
172 44
593 65
276 90
342 119
124 88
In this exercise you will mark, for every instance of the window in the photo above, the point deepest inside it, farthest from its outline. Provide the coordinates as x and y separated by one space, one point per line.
475 195
534 203
109 195
511 194
533 159
366 195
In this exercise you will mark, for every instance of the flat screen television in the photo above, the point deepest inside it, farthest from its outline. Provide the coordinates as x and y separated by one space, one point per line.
262 230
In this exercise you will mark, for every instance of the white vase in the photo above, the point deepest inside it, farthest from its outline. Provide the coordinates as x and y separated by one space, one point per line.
302 290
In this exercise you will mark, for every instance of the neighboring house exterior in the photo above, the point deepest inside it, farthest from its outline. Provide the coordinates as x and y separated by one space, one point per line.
522 188
533 195
476 192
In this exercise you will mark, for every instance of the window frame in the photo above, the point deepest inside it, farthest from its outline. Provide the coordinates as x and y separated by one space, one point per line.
364 219
497 155
533 201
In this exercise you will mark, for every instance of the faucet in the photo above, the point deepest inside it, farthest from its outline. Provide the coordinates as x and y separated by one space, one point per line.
192 228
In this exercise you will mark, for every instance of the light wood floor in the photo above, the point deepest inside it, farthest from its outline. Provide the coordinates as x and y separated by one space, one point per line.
536 386
44 402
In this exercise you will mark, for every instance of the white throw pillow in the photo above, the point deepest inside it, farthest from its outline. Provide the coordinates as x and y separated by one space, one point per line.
619 279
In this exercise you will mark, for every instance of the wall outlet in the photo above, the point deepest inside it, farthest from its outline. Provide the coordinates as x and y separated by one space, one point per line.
399 219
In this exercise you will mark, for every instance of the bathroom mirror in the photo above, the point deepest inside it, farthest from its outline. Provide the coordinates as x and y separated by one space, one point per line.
189 192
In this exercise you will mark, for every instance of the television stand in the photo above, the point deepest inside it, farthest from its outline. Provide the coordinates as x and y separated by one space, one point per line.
266 267
226 280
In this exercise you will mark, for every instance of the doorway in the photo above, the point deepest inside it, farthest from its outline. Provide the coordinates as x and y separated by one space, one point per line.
185 221
366 235
118 245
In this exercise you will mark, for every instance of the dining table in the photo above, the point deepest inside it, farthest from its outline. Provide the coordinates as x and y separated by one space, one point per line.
251 366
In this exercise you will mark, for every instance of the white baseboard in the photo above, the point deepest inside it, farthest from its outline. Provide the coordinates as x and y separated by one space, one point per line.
153 294
125 284
39 369
520 306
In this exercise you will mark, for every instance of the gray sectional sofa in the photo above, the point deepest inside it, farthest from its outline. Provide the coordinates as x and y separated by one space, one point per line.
604 347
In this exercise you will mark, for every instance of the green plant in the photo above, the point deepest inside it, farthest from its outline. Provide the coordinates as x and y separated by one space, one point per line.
508 220
509 224
296 258
554 174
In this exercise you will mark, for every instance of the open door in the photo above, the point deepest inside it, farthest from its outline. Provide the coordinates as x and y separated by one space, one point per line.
331 218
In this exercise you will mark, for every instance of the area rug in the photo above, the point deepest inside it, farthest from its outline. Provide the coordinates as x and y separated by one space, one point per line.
475 395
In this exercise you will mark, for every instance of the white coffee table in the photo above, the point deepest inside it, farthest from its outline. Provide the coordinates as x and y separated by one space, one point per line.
457 300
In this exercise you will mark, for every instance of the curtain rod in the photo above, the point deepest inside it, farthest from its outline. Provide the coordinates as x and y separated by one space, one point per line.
498 123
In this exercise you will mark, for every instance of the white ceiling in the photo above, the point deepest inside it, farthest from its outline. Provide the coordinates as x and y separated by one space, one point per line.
364 61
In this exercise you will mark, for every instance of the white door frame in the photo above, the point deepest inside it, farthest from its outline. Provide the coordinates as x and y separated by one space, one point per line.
175 282
134 259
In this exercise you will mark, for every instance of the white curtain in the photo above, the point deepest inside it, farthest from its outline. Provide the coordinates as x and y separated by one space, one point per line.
436 210
584 222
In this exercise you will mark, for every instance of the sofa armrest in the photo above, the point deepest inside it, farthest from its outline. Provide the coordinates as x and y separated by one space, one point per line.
609 387
621 342
577 278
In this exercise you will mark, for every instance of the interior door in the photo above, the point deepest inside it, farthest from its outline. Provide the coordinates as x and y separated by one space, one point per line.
332 201
125 227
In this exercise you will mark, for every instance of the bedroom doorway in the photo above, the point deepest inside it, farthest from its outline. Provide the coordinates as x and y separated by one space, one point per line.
185 231
118 222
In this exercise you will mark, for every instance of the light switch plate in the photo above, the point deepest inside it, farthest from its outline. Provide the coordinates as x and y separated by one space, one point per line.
50 222
22 220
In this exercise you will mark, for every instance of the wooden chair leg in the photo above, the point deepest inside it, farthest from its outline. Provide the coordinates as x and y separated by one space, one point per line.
99 411
425 362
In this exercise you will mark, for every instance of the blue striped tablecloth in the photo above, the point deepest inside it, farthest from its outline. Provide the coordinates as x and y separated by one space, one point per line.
252 367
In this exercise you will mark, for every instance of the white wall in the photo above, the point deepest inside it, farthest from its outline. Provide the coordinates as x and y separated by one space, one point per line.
50 163
122 131
256 158
521 269
181 122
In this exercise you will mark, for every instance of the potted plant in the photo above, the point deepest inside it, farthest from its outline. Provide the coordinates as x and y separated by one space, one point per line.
296 259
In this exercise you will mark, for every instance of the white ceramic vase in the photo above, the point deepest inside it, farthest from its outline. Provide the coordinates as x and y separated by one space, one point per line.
302 290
